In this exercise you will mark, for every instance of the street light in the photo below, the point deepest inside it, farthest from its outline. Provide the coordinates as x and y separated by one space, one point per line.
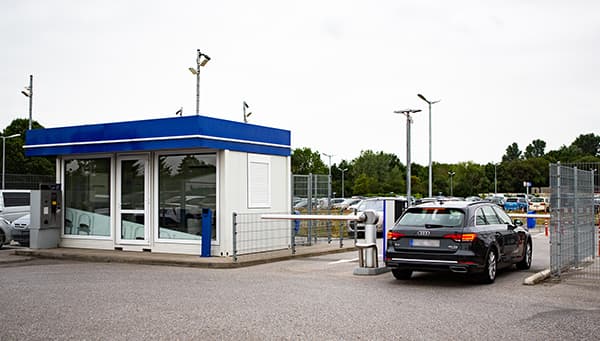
451 173
4 138
201 60
407 112
28 92
244 107
343 170
495 179
430 172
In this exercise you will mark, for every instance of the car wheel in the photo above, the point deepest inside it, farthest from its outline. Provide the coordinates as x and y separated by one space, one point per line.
525 263
401 274
491 267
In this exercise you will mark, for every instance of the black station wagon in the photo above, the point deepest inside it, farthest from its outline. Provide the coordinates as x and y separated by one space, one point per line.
464 237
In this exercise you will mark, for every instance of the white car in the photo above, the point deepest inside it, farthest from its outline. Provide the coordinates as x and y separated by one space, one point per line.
5 231
20 230
539 204
375 204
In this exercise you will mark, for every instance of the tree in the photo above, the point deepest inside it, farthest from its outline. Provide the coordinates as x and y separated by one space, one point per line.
512 153
535 149
16 161
305 161
378 173
336 178
588 144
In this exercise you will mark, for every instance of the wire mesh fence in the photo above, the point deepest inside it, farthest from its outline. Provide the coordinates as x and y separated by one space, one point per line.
26 181
574 243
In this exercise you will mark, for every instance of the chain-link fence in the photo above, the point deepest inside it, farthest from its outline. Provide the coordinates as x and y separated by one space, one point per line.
573 234
27 181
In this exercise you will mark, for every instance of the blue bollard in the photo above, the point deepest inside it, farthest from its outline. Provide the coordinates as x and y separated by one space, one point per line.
531 221
206 231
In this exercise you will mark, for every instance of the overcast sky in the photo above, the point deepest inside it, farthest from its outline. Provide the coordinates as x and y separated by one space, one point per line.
331 72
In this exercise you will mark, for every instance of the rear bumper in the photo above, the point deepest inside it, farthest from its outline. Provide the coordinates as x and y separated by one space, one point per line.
462 265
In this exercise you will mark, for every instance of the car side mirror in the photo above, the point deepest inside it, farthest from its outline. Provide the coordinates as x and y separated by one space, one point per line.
518 222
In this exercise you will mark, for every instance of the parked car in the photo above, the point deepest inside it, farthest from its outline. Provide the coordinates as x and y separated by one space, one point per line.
375 204
496 200
473 198
476 238
344 205
304 204
516 204
5 231
539 204
325 204
14 203
20 230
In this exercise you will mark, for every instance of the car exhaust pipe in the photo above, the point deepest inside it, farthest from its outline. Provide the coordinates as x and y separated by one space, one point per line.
458 269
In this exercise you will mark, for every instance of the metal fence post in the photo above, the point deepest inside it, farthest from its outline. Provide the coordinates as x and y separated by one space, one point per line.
341 225
309 208
234 235
575 218
558 221
293 240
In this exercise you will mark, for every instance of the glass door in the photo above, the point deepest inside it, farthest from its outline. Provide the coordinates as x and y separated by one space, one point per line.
132 200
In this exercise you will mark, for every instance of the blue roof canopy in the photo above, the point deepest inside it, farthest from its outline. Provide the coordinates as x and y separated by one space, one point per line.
158 134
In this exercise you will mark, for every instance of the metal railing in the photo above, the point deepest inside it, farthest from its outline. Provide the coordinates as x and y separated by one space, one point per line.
251 234
26 181
573 234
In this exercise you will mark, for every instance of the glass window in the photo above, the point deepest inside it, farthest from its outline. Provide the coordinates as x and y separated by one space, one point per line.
14 199
433 216
480 218
490 216
504 218
187 188
87 197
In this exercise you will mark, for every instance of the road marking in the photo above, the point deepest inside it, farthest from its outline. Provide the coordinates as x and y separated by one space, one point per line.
344 261
341 261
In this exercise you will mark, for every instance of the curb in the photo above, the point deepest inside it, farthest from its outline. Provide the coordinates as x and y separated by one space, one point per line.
537 278
167 260
12 257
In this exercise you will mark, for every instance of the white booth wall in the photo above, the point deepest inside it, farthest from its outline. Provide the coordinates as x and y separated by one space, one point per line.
236 192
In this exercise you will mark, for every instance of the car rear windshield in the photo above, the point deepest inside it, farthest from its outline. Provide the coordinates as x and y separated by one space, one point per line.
432 216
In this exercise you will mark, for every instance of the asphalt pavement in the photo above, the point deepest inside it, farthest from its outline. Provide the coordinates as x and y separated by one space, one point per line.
303 298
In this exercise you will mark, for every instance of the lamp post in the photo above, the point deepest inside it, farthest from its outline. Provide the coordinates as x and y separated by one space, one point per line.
343 170
430 172
407 112
244 107
495 179
201 60
28 92
4 138
328 181
451 173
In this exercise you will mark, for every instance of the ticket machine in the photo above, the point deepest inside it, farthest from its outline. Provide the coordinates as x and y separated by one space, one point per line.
45 220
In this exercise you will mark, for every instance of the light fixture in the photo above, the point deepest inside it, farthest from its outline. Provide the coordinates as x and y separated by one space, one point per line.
407 112
430 171
201 60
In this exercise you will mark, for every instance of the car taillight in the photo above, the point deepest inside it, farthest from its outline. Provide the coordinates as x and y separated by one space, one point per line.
394 235
461 237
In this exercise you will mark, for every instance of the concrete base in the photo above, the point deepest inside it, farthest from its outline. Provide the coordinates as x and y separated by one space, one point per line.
44 238
370 271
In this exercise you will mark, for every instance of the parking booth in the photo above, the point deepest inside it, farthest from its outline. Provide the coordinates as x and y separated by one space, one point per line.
164 185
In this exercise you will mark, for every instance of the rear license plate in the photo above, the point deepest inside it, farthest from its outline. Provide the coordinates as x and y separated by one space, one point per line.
425 242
